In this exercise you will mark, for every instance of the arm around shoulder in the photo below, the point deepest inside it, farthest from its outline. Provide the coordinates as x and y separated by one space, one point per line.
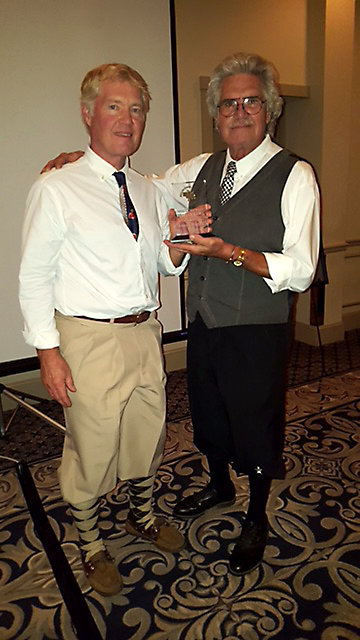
61 159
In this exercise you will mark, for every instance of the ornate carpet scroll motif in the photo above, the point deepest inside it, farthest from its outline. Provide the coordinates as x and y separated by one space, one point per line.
307 588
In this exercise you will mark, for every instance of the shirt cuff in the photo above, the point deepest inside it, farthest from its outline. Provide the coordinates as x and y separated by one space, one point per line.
280 269
44 340
170 269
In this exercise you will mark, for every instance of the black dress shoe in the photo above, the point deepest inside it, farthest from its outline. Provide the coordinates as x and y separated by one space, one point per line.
202 501
249 549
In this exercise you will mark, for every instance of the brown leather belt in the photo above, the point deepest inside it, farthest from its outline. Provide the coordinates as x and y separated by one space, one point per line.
137 318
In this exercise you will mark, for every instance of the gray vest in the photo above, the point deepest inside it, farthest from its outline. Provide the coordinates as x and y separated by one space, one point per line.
225 295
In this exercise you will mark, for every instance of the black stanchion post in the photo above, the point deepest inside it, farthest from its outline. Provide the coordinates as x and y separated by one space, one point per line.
81 617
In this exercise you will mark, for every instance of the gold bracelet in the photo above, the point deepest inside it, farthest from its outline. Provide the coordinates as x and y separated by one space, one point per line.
232 255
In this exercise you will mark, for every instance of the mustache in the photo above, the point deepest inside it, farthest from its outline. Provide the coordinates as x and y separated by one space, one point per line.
242 122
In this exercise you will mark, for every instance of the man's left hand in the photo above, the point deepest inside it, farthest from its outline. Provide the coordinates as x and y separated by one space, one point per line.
215 247
212 247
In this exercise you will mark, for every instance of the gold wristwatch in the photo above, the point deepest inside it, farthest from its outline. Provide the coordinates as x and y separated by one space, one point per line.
239 261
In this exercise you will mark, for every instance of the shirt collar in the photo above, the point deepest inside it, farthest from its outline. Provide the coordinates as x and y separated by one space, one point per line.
252 158
103 168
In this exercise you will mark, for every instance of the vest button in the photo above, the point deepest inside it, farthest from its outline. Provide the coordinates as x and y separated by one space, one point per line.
202 278
205 257
215 218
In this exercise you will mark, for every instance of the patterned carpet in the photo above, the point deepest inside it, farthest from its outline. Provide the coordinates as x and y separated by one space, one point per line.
307 588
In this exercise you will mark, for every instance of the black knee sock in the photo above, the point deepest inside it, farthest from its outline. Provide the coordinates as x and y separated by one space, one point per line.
259 493
220 476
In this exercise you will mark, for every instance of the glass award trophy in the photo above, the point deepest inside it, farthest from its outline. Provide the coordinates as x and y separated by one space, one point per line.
185 195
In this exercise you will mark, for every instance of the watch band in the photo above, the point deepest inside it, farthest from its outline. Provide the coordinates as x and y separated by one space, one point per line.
239 261
232 255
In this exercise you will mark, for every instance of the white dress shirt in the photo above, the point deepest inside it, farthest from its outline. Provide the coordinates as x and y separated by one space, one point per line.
294 267
78 254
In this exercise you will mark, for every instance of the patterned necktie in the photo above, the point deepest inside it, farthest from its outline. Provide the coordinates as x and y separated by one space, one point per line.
126 204
227 184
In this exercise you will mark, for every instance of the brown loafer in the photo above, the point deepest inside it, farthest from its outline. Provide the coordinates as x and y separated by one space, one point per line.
102 574
165 536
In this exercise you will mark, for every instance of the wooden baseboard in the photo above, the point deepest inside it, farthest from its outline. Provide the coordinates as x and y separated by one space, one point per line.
328 333
175 356
352 320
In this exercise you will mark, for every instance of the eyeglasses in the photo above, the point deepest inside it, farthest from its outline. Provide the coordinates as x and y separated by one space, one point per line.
251 105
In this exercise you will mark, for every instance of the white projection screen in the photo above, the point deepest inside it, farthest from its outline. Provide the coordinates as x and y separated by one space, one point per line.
46 49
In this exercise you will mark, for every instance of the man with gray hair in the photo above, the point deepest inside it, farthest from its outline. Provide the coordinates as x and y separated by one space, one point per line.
93 245
242 281
265 208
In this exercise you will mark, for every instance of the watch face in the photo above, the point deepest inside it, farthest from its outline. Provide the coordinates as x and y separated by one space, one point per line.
239 261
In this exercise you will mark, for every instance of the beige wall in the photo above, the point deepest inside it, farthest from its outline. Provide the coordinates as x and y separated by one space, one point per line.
207 31
314 44
303 118
339 47
352 222
351 286
337 135
45 50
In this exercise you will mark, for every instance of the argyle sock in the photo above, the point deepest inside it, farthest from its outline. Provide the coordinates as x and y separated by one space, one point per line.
140 499
259 493
85 516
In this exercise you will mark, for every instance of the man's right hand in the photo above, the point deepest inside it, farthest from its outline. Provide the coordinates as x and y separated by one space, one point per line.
61 159
56 375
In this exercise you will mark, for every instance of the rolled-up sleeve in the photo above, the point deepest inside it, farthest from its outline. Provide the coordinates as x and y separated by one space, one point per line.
42 237
165 265
169 186
295 266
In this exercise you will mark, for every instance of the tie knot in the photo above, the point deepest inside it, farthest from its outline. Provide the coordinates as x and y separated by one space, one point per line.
120 178
231 168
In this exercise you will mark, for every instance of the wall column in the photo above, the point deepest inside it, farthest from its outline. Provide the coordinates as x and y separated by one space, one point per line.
330 79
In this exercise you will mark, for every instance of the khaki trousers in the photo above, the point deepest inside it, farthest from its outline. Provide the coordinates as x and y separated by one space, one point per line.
115 427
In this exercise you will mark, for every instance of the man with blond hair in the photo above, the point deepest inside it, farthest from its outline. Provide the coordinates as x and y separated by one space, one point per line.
93 245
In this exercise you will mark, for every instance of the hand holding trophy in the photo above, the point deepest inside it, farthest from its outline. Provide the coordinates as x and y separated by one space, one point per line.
196 220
